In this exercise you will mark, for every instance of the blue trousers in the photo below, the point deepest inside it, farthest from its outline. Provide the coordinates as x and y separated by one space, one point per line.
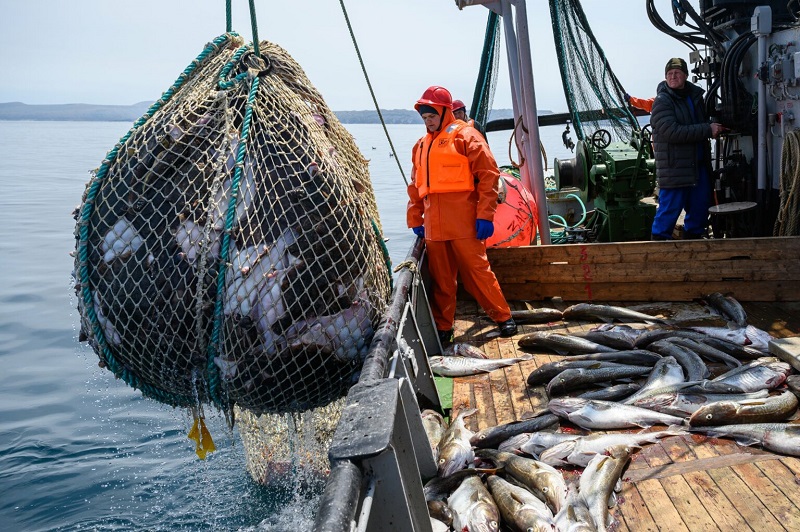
695 200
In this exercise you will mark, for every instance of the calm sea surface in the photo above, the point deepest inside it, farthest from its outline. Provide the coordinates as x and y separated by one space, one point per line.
78 449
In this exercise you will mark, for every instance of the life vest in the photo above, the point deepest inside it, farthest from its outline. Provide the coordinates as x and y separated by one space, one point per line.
439 167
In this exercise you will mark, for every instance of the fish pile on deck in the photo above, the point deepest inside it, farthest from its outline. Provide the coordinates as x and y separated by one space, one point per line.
526 475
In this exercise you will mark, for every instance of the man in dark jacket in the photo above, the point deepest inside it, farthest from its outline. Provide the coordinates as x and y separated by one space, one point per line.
683 154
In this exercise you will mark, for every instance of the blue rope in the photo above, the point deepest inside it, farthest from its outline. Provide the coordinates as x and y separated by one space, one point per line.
119 370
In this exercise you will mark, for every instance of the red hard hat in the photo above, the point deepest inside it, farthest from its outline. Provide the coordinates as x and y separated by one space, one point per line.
458 104
435 95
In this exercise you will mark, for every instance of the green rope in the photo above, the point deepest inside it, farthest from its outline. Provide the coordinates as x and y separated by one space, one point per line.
228 16
254 25
212 370
386 258
371 91
119 370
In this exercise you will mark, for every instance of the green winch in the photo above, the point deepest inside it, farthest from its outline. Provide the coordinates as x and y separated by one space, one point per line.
616 177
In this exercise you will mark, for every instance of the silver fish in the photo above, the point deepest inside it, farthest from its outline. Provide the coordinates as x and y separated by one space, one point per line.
653 335
455 451
728 308
473 507
598 481
570 379
605 415
493 436
580 451
686 404
439 488
539 441
435 427
588 311
783 438
545 373
537 476
575 515
693 366
614 339
747 336
562 343
770 409
708 352
633 357
463 350
764 373
536 315
742 352
612 393
520 509
462 366
440 511
665 373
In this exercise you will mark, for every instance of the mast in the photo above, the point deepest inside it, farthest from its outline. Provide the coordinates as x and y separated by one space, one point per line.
523 97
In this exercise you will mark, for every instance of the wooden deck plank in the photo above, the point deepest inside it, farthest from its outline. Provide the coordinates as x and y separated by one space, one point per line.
722 510
632 510
787 507
774 500
659 504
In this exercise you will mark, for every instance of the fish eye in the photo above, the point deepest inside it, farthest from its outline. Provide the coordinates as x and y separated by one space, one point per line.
709 416
441 460
545 489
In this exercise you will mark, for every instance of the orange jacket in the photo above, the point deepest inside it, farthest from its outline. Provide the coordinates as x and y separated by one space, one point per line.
452 215
439 167
645 104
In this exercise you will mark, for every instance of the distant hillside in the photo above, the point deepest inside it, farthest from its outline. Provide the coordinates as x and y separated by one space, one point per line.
73 112
130 113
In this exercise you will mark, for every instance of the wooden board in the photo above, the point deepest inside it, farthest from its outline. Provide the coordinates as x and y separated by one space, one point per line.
753 269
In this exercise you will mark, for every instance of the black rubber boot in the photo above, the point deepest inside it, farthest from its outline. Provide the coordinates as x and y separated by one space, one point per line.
445 338
507 328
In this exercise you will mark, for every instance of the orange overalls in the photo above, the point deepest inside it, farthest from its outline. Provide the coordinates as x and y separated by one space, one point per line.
454 182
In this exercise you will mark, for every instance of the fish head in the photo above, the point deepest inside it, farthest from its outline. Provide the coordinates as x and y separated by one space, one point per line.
718 413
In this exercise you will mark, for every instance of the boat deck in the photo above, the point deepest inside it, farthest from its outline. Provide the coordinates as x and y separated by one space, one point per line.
680 483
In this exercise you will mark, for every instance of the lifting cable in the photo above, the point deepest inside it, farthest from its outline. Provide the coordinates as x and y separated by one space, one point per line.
253 23
371 92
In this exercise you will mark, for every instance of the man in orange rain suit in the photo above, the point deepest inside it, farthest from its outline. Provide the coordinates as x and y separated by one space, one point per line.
460 112
452 201
645 104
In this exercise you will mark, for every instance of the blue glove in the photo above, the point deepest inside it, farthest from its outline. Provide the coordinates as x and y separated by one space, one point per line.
484 228
627 97
419 231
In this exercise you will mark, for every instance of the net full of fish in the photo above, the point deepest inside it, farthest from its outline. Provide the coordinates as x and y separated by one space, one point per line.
229 248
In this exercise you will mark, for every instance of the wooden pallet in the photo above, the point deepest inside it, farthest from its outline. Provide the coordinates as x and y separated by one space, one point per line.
681 482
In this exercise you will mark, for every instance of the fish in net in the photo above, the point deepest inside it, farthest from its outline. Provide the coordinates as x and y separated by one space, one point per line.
229 249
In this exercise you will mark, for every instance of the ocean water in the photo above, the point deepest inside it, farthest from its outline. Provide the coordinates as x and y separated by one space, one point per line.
78 449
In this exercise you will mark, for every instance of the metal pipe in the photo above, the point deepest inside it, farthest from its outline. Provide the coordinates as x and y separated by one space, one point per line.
531 120
761 24
366 506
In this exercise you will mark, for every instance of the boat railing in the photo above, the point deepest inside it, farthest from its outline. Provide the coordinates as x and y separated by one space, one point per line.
380 452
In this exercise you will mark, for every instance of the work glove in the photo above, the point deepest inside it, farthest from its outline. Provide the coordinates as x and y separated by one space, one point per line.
419 231
627 97
484 228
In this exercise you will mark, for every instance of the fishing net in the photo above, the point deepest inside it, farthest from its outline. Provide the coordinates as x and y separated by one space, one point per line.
594 94
486 81
229 247
287 448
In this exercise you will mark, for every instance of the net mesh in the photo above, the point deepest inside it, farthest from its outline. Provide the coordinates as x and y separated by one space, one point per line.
594 94
229 248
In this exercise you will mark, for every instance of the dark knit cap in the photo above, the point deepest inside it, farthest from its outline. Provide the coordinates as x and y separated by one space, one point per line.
422 109
676 62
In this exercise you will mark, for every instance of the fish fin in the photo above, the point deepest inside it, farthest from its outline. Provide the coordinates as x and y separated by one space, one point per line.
580 420
526 356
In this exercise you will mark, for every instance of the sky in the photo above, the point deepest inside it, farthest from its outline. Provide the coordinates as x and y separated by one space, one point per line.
127 51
